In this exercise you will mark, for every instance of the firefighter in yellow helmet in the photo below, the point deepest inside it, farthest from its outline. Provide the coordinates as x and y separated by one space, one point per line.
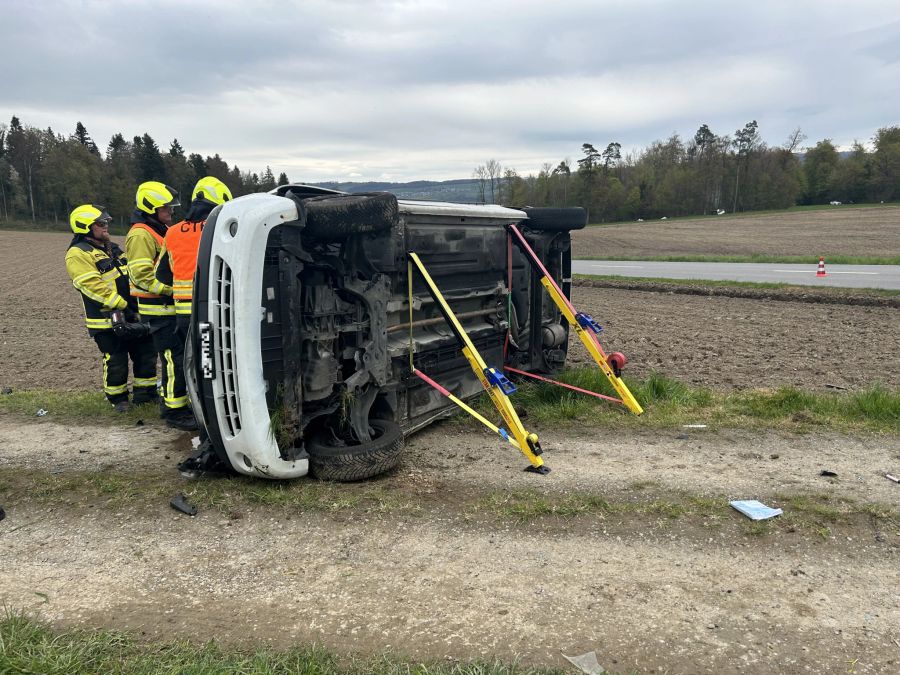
99 271
150 221
178 260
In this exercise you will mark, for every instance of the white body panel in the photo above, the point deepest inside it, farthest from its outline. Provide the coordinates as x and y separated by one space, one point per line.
252 449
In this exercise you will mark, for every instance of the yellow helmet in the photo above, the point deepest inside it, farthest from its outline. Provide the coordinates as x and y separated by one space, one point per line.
153 195
82 217
212 190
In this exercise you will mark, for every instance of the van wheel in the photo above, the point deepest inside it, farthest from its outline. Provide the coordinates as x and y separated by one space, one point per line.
550 219
329 461
330 219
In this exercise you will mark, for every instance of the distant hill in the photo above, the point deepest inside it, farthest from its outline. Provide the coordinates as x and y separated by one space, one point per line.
460 191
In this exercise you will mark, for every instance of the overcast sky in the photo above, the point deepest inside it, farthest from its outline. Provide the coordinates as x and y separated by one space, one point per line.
355 90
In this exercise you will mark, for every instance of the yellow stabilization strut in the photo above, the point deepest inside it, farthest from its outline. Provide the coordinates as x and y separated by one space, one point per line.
494 382
590 343
587 336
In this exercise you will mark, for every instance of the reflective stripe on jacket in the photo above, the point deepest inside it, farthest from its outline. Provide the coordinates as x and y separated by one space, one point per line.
142 246
101 276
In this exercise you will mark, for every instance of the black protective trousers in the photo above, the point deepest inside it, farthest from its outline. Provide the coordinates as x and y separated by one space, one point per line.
115 367
170 347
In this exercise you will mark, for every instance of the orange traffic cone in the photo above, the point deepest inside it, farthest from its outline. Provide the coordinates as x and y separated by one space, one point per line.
821 271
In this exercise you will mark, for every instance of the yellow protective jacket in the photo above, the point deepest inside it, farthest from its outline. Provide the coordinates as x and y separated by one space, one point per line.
142 246
101 276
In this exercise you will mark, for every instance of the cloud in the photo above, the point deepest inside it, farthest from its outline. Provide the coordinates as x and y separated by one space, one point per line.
418 89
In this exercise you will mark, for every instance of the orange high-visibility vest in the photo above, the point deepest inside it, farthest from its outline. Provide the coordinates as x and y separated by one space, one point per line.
182 243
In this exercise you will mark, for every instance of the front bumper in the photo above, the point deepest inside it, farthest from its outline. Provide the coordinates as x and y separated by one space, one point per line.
224 368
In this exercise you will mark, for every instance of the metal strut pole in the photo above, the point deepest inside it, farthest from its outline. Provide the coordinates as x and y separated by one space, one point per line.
494 382
585 327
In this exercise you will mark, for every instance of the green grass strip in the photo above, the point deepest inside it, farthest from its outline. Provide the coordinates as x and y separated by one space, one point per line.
30 646
667 402
726 283
809 512
670 403
86 407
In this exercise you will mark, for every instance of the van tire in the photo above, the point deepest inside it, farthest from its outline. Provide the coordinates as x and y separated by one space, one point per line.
356 462
330 219
550 219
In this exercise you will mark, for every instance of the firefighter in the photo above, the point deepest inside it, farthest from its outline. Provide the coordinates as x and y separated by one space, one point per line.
178 260
176 267
99 272
156 204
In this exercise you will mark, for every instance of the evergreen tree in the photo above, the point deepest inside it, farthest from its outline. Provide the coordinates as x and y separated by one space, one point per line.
745 142
149 159
267 181
197 165
283 179
84 138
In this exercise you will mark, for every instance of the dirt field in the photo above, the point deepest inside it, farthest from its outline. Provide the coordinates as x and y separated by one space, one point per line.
724 343
843 230
431 566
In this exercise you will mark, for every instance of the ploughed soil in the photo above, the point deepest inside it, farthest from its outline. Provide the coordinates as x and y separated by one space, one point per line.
628 547
840 230
843 338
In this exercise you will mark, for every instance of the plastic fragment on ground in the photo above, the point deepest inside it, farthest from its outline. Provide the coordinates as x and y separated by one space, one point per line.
755 510
41 412
693 426
892 477
586 663
180 503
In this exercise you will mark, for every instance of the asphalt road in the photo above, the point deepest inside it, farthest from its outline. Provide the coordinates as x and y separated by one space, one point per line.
846 276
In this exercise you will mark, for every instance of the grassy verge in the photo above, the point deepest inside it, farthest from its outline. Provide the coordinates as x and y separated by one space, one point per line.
759 258
30 646
72 406
117 488
814 514
725 284
641 504
667 403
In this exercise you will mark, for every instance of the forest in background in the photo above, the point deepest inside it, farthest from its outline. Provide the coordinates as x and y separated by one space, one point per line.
44 174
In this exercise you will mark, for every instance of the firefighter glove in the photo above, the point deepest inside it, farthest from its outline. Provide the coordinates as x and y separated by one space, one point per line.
127 330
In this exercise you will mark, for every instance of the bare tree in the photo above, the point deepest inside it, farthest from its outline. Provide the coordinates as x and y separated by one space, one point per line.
494 174
480 174
794 140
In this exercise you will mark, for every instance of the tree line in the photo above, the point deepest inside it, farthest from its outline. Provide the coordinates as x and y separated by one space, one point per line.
707 174
44 174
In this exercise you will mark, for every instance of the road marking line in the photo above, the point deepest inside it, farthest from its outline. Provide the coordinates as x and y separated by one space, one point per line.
618 266
813 272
